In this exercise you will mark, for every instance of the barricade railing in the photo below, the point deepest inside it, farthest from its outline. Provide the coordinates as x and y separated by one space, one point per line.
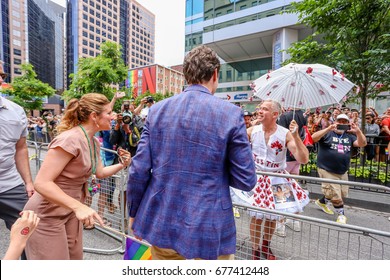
109 202
39 137
33 156
316 238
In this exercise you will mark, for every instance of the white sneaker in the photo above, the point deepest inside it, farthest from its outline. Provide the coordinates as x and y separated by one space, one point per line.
293 224
341 219
280 229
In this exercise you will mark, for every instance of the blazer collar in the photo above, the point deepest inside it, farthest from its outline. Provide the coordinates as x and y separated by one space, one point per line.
197 87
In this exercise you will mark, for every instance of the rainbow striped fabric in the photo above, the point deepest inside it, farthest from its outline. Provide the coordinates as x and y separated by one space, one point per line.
136 251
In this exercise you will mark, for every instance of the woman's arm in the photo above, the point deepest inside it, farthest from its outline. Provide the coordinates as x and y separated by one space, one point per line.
54 163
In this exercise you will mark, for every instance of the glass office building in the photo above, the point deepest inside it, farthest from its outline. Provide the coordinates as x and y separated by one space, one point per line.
248 36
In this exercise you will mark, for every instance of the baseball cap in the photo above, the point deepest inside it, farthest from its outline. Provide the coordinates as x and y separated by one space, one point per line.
342 117
247 113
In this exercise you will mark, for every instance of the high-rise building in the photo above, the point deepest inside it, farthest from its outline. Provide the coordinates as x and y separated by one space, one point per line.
248 36
126 22
32 31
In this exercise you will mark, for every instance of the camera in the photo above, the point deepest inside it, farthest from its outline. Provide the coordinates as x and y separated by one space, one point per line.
343 127
149 99
126 117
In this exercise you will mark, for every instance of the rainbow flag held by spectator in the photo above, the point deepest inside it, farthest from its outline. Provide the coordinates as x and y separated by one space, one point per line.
136 251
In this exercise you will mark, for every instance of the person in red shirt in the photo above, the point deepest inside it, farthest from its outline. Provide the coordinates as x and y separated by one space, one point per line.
385 131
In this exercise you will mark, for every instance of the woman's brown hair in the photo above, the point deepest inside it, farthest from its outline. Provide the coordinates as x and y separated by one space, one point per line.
78 111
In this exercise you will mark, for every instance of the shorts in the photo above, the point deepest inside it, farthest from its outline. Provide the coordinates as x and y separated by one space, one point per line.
12 203
334 192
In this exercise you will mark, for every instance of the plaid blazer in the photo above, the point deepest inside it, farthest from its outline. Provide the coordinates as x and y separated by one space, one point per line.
193 147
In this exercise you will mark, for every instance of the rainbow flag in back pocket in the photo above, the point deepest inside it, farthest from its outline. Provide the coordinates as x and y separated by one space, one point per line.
136 251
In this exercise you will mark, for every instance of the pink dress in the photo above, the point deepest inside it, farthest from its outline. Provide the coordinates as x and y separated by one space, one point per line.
271 157
59 233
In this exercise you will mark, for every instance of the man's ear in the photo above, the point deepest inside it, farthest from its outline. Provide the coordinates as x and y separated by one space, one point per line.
215 75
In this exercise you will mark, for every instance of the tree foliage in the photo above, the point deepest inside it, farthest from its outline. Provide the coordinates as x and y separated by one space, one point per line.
156 96
27 90
98 74
351 36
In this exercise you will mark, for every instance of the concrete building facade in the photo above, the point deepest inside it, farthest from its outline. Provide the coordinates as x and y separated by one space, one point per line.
248 36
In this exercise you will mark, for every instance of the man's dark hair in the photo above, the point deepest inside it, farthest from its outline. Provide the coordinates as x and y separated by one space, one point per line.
200 64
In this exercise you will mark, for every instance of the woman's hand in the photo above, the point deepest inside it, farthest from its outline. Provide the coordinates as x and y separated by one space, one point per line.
124 157
87 215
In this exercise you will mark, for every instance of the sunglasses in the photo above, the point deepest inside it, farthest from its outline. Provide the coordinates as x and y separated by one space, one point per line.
3 76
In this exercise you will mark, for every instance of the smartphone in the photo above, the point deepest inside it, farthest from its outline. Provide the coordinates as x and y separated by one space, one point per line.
343 127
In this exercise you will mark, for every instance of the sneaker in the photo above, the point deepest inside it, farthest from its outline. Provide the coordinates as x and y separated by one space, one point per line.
236 212
294 225
324 207
280 229
341 219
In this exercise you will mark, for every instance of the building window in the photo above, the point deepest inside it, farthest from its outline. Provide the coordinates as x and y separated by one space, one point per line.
17 61
16 23
91 36
17 71
85 43
85 51
91 53
17 52
17 42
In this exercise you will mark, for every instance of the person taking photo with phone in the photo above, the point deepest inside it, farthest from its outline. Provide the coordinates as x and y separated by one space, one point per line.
334 156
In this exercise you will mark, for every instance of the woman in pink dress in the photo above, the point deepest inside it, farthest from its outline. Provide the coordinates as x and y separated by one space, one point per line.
61 184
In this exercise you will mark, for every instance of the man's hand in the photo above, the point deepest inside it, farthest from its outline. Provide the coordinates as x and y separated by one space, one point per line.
293 127
354 128
131 222
30 189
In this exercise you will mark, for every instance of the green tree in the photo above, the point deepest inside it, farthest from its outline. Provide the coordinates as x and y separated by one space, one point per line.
351 36
98 74
28 91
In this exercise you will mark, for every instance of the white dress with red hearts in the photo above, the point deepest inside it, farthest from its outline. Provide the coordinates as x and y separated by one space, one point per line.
283 194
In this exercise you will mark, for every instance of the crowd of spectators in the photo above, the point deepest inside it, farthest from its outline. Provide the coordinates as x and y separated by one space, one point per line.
376 126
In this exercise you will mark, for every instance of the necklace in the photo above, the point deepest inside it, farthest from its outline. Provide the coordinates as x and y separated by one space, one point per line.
94 159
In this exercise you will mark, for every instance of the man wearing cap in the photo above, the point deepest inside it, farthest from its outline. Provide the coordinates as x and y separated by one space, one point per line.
247 119
334 155
16 185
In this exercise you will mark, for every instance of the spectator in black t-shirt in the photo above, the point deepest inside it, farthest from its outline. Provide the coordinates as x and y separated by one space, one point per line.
334 155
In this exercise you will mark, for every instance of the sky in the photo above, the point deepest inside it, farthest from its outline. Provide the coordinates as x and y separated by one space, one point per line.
170 16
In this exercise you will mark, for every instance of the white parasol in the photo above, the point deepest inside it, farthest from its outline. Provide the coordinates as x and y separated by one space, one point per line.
303 86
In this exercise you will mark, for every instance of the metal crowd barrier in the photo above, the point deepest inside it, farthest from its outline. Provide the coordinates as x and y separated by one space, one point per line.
318 238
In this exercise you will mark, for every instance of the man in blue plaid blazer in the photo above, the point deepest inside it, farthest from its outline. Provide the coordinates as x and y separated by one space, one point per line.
193 147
